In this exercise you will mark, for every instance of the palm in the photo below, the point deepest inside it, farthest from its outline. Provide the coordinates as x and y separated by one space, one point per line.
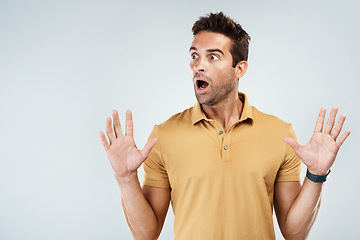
320 153
122 152
124 156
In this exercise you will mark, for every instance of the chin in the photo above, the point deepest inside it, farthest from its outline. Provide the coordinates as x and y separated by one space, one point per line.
205 100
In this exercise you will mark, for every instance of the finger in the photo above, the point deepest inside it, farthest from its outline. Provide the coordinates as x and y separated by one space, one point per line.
129 124
331 120
148 146
293 143
116 123
342 138
109 130
320 120
337 129
104 142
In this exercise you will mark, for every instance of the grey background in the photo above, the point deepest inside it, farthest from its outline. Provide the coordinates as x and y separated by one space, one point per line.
64 65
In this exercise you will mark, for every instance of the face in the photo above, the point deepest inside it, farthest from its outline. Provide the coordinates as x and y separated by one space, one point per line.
214 77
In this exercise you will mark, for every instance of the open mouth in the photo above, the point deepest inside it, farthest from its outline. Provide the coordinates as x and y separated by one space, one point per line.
202 84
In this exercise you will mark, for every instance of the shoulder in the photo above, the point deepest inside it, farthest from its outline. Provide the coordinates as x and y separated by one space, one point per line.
177 122
267 118
272 122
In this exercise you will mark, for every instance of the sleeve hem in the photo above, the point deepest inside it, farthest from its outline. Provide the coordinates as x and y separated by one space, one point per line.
288 179
156 183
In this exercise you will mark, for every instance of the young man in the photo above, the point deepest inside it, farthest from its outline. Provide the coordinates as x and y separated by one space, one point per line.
222 163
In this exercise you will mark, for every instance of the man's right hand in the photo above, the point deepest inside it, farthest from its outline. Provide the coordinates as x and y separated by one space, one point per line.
125 158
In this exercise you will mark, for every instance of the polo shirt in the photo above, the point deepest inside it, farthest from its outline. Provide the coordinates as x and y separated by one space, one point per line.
222 182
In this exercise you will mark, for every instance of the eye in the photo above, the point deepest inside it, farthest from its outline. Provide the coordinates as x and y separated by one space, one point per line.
194 56
214 57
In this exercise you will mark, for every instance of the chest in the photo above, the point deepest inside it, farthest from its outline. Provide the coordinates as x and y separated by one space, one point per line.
201 157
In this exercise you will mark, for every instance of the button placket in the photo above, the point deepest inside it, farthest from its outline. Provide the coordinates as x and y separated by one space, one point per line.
221 135
226 147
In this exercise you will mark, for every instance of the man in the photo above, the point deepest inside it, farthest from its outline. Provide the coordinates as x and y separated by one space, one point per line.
222 163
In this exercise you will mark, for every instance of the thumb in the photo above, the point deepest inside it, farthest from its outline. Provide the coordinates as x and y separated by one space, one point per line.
293 143
148 146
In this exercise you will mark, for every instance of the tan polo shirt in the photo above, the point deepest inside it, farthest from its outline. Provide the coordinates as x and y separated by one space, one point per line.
222 183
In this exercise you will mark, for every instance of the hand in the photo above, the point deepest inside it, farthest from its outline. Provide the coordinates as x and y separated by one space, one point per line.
320 153
125 158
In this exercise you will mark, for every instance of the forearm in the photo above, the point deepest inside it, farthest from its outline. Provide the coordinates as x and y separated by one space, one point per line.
138 213
302 213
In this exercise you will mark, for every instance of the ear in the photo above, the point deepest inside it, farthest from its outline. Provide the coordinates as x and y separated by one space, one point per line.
240 69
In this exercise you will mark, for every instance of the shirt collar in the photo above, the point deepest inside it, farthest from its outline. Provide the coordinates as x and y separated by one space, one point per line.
247 111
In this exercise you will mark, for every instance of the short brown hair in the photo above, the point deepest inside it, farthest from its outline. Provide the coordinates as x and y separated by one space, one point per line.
220 23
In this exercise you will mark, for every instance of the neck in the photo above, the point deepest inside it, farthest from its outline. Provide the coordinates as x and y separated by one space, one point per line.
227 112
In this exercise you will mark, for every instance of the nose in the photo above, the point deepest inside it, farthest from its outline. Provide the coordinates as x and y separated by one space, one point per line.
199 65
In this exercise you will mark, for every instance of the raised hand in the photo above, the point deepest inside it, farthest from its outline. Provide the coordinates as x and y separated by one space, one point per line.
320 153
125 158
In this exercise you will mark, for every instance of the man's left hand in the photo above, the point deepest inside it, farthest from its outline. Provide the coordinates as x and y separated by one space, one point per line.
320 153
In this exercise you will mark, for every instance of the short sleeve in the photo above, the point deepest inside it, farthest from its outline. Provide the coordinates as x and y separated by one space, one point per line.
290 170
155 174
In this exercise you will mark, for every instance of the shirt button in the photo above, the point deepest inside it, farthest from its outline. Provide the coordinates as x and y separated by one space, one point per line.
220 132
225 147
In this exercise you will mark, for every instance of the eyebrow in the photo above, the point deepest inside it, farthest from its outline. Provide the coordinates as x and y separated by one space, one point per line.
215 50
208 50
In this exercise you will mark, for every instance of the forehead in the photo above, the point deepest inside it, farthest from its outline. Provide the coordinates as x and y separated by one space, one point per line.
209 40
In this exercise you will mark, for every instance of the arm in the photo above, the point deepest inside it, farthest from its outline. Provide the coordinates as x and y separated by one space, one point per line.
296 207
145 209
